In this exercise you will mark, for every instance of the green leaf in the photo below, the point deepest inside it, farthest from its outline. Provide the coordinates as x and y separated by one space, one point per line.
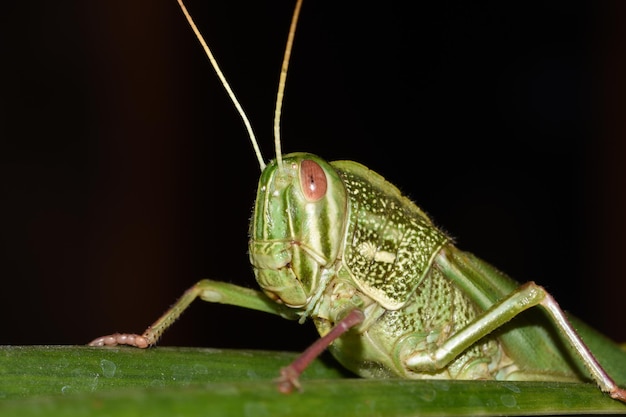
71 381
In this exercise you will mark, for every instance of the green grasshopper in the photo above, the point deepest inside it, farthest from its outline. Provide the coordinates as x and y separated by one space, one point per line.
389 293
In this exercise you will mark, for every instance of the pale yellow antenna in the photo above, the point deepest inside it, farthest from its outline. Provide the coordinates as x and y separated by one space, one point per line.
230 92
281 83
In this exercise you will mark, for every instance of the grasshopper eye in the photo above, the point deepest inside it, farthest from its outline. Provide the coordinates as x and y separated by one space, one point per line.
312 180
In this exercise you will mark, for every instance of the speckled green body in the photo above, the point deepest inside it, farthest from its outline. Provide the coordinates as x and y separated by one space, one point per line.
362 244
388 255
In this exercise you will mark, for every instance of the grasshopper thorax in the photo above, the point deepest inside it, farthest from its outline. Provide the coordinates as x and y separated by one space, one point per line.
297 229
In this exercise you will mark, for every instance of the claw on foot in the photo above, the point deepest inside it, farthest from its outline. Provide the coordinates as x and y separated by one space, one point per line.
618 394
121 339
288 380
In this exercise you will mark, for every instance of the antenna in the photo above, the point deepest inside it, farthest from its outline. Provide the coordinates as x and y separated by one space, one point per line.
230 92
281 83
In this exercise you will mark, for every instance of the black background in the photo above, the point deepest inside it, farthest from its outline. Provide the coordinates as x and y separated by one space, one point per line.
126 174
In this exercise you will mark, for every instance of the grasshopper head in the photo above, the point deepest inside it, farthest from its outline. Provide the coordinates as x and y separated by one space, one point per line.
297 227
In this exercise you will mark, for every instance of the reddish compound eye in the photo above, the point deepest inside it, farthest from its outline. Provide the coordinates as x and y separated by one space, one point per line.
312 180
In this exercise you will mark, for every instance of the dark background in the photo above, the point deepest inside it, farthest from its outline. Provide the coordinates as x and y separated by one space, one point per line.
126 174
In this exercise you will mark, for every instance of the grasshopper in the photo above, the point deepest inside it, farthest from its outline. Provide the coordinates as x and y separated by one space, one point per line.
389 293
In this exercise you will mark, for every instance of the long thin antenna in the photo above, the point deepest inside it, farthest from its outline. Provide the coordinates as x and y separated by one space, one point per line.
281 83
230 92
